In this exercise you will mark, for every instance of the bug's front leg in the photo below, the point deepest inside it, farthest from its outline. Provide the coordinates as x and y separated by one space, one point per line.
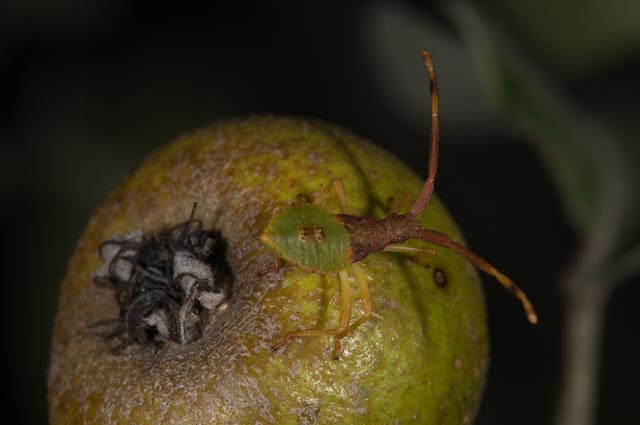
343 326
336 187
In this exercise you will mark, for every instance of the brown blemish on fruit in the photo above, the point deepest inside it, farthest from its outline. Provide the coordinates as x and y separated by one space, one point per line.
440 278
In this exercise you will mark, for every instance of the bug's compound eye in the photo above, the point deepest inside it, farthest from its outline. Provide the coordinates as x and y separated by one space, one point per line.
440 277
302 234
318 232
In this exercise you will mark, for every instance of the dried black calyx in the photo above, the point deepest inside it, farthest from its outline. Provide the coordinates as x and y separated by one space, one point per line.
168 285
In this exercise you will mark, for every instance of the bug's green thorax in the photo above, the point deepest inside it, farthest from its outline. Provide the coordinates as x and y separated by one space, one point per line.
308 236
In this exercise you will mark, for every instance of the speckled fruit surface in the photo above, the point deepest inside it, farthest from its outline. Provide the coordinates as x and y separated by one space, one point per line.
421 358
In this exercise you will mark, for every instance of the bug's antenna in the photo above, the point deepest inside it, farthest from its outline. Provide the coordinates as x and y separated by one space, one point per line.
445 241
427 190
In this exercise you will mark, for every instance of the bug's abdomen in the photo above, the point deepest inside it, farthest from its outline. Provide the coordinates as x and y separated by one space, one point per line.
310 237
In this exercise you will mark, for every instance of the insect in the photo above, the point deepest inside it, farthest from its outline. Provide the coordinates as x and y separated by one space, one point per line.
307 235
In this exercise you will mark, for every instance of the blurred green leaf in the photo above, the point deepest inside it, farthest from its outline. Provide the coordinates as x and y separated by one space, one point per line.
592 167
568 32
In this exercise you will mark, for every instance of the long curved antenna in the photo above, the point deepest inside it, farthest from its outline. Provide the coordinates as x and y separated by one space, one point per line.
445 241
427 189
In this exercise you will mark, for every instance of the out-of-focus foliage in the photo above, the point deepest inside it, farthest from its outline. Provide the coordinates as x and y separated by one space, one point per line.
578 37
594 167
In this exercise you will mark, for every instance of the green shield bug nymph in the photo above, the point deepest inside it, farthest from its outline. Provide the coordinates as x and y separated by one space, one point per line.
307 235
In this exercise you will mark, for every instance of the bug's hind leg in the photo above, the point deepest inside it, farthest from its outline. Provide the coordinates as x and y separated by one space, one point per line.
345 317
366 306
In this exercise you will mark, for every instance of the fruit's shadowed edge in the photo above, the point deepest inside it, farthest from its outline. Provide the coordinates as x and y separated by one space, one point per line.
422 357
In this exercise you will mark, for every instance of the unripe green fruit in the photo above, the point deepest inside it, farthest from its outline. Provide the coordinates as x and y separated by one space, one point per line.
421 358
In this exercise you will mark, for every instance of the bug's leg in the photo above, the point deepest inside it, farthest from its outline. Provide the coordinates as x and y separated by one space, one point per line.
276 266
395 205
345 316
345 311
366 301
415 253
302 199
445 241
338 188
404 249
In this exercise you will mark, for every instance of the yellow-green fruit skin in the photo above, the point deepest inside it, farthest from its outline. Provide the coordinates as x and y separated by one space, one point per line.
421 358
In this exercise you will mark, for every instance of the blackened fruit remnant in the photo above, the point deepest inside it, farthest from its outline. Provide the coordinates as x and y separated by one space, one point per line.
166 285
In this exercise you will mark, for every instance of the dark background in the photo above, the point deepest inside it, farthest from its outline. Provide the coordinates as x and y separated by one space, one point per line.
88 89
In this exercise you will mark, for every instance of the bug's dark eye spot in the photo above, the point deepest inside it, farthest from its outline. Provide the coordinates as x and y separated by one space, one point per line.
302 234
440 277
319 234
